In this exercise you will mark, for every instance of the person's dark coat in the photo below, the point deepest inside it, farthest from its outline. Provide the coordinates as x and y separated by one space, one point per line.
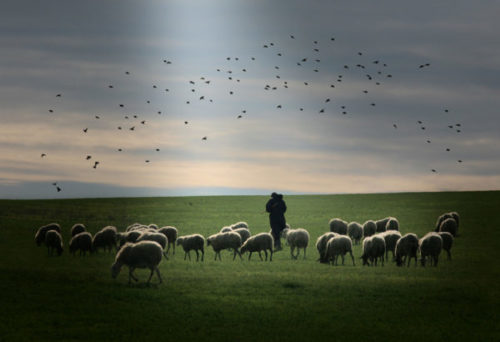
276 208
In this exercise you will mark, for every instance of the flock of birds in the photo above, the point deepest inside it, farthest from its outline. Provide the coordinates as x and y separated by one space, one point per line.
301 73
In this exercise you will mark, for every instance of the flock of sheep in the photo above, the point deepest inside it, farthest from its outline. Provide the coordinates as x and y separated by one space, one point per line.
144 246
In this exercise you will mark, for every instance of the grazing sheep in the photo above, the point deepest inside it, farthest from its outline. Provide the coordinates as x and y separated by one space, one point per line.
369 228
226 229
430 245
392 224
454 215
82 242
190 242
171 234
222 241
391 237
257 243
339 245
355 231
105 238
373 249
449 225
130 236
133 226
321 243
77 229
157 237
144 254
40 234
338 226
381 224
244 233
239 225
297 238
152 226
406 247
53 241
447 242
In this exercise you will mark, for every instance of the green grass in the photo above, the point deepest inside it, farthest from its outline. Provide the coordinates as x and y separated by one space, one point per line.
75 299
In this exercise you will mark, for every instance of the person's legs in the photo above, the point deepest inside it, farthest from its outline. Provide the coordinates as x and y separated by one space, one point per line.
277 240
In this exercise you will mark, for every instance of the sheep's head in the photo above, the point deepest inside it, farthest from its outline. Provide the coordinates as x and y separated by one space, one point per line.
365 259
399 260
243 248
179 240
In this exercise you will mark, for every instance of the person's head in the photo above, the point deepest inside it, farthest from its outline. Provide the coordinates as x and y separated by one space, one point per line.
274 195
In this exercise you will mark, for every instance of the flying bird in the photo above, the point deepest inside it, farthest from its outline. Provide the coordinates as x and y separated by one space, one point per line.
204 138
85 130
43 155
88 157
58 95
95 164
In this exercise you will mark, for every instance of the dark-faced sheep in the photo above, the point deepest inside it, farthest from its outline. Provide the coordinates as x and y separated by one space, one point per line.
355 232
321 243
392 224
447 242
381 224
449 225
373 250
144 254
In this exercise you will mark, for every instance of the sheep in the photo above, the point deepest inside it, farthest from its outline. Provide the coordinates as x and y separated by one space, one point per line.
430 245
391 237
153 226
155 236
130 236
190 242
257 243
321 245
339 245
244 233
454 215
77 229
40 234
171 234
105 238
369 228
373 249
447 242
82 242
406 247
392 224
53 241
449 225
237 225
297 238
381 224
222 241
226 229
355 231
338 226
144 254
133 226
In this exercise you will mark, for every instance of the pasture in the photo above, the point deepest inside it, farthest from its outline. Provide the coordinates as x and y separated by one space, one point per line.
75 299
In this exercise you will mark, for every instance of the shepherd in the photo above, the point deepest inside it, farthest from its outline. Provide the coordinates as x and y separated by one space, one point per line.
276 208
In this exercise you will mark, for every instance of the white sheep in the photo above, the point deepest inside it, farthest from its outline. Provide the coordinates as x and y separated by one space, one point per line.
40 234
257 243
447 242
369 228
430 246
392 224
77 229
53 241
81 242
373 249
391 237
338 226
194 242
449 225
221 241
381 224
133 226
339 245
355 231
130 236
171 234
321 243
240 224
144 254
154 236
406 248
297 238
105 238
244 233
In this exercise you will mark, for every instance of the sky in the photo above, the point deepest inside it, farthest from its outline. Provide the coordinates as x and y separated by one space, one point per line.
367 96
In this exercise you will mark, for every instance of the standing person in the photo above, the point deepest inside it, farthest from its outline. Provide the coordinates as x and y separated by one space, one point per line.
276 208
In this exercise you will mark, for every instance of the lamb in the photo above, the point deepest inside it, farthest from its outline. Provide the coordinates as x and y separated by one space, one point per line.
355 231
105 238
369 228
321 245
430 245
157 237
171 234
244 233
40 234
190 242
447 242
338 226
381 224
373 249
82 242
240 224
391 237
406 247
77 229
449 225
297 238
144 254
130 236
222 241
392 224
257 243
53 241
339 245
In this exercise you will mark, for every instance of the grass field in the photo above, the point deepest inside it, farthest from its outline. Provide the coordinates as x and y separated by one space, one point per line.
75 299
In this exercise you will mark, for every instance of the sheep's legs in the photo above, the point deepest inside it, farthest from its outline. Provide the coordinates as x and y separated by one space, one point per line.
271 257
342 255
249 256
197 254
449 254
265 251
260 256
352 257
202 254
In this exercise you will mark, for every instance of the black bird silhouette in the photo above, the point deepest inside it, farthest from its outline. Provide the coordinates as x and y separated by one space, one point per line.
204 138
119 150
446 110
185 122
278 106
95 164
327 100
127 73
447 150
428 141
119 127
147 160
395 126
110 86
51 111
292 37
85 130
88 157
121 105
433 170
143 122
132 128
97 117
42 155
54 184
322 110
58 189
58 95
459 161
239 117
